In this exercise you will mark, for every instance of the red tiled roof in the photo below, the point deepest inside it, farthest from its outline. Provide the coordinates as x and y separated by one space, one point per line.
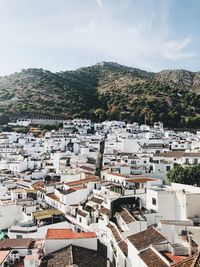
126 216
87 168
115 232
142 180
191 154
152 259
127 176
68 234
74 256
138 178
15 243
123 246
193 261
170 154
105 211
146 238
37 185
173 258
42 190
77 188
68 191
97 200
82 213
84 181
53 196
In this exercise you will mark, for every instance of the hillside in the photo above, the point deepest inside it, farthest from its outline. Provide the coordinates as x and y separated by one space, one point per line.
104 91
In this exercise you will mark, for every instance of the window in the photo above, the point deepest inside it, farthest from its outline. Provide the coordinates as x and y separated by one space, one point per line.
184 233
195 161
168 168
186 161
80 219
133 162
154 201
18 236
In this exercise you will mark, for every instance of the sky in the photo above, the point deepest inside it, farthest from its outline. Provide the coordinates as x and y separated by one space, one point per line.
67 34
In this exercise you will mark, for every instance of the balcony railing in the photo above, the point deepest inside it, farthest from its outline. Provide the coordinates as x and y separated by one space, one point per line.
127 192
21 229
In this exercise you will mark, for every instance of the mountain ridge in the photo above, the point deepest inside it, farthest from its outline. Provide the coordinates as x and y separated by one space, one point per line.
103 63
107 90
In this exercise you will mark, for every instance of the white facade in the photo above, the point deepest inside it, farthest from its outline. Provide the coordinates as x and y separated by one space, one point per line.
51 245
180 201
9 214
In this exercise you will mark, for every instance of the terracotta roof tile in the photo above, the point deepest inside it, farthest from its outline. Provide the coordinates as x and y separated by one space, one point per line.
152 259
172 258
15 243
105 211
128 176
74 256
97 200
124 247
68 191
141 180
87 168
126 216
37 185
170 154
191 154
68 234
193 261
114 232
82 213
61 258
146 238
53 196
84 181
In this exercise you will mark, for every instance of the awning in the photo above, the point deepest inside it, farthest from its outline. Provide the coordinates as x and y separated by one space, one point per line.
46 214
38 218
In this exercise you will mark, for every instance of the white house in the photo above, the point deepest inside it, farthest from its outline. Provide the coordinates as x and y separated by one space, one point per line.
60 238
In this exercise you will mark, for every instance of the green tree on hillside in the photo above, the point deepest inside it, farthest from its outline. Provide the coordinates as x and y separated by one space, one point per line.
4 119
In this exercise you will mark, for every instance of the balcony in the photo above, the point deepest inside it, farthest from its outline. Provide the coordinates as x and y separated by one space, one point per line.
134 191
178 249
23 228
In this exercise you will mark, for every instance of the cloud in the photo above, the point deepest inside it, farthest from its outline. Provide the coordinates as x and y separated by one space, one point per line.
99 2
72 34
90 28
177 49
180 44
